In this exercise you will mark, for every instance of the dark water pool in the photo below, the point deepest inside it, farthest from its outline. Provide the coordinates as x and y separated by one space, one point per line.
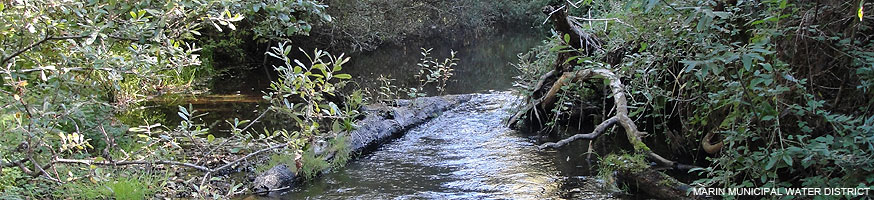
484 65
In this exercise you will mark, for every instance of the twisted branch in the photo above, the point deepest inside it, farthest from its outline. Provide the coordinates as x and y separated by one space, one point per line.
634 136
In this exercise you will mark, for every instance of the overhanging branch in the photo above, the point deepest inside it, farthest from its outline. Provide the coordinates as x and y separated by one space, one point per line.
589 136
634 136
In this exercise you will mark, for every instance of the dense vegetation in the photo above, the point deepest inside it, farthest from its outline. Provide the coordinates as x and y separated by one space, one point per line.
69 67
77 73
366 24
777 92
771 93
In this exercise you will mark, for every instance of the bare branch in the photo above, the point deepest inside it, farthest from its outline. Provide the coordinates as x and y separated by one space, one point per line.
589 136
47 38
37 43
634 136
247 156
136 162
604 19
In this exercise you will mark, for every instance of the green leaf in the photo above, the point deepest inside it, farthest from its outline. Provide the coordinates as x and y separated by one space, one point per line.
210 138
570 59
567 38
183 116
343 76
767 66
771 163
690 65
787 159
650 5
748 61
722 14
704 23
336 127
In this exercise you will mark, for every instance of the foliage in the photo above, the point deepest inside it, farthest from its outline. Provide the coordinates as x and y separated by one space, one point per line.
753 73
302 93
135 186
365 24
387 90
532 64
275 19
431 70
68 66
342 152
312 165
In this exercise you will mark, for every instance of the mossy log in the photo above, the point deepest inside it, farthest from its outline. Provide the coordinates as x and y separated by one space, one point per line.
380 124
654 183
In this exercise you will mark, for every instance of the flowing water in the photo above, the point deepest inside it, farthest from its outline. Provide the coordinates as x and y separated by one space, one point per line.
465 153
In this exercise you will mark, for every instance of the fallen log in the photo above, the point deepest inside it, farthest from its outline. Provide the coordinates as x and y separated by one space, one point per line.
381 124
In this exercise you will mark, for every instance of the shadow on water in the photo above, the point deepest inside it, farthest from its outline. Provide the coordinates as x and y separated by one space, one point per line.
236 93
484 62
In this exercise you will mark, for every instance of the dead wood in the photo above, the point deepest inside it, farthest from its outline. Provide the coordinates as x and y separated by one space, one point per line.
634 136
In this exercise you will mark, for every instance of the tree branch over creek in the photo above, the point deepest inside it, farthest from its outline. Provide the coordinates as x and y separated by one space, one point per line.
543 99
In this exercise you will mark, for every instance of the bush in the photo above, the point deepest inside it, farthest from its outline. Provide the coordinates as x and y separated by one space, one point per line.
750 73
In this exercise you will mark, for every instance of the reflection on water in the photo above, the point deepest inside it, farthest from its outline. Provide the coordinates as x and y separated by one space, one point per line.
484 65
465 153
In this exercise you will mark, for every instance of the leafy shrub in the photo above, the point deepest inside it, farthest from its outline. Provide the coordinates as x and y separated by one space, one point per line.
432 70
751 73
72 65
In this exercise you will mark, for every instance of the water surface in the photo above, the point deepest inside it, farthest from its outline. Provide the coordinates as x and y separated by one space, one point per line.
465 153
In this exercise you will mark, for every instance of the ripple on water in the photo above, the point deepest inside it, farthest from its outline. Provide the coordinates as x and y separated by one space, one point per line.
466 153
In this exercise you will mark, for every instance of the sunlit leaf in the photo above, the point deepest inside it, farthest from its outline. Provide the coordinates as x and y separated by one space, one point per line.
343 76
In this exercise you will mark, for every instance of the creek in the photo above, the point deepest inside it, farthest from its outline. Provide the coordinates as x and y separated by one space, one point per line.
465 153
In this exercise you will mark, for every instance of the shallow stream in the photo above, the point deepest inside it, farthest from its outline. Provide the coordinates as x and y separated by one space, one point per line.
465 153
